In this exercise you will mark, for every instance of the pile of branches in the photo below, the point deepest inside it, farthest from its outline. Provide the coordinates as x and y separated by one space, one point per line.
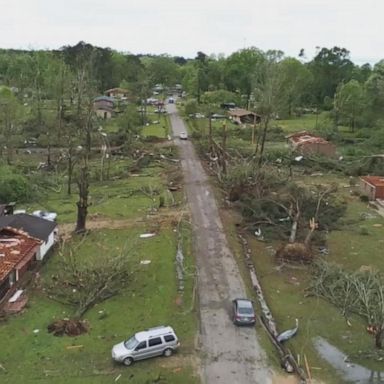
68 327
360 293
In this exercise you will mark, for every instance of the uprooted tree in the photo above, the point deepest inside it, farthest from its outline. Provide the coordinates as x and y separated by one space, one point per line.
84 283
270 201
360 293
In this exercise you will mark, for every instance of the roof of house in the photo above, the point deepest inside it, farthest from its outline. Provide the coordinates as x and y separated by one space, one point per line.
36 227
376 181
104 108
104 98
304 137
14 246
239 112
121 90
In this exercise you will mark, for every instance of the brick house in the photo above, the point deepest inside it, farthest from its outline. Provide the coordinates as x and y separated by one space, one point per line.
372 186
308 144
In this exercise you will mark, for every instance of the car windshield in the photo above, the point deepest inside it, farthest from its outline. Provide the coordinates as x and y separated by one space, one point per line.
245 311
131 343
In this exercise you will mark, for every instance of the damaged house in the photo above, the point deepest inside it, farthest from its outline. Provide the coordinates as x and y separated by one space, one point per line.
306 143
36 227
18 253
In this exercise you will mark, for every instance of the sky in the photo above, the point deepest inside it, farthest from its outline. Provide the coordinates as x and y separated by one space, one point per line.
184 27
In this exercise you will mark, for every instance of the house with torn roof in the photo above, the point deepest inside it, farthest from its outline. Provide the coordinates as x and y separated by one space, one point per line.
18 253
34 226
242 116
307 143
373 187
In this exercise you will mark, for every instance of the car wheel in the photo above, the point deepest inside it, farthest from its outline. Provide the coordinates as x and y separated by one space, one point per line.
168 352
128 361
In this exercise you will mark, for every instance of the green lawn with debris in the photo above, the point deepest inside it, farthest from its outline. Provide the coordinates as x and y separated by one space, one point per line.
132 194
32 355
357 243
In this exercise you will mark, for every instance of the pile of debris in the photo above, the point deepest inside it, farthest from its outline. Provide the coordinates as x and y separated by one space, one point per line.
70 327
297 253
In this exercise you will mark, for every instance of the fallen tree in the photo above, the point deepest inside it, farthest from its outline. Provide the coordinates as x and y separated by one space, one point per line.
83 283
360 293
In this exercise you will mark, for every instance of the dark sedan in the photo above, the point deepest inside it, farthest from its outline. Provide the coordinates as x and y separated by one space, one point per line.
243 312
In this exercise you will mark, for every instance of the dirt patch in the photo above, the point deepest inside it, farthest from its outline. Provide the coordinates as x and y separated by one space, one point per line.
285 380
100 222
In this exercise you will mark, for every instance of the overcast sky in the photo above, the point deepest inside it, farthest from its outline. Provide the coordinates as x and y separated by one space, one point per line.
184 27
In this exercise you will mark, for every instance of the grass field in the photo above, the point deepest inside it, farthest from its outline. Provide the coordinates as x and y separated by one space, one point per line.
150 300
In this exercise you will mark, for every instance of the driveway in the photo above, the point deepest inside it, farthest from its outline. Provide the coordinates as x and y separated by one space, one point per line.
230 355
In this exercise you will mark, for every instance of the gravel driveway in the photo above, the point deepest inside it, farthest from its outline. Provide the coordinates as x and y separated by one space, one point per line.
230 355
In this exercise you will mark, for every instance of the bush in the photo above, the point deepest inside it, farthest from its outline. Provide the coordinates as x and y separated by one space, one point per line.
363 231
13 186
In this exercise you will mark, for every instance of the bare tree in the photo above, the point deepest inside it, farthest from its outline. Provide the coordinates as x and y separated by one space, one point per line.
85 117
84 283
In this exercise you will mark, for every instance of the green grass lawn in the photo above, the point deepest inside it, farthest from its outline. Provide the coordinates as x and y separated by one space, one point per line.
115 198
150 300
160 129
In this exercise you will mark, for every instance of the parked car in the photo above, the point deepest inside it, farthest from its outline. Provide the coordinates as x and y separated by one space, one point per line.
45 215
183 136
243 312
143 345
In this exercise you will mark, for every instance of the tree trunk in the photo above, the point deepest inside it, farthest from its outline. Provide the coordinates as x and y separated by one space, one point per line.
379 338
82 204
210 132
264 135
224 145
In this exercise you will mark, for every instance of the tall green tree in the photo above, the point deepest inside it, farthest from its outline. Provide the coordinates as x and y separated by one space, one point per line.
9 117
349 103
295 81
329 68
374 88
268 97
239 70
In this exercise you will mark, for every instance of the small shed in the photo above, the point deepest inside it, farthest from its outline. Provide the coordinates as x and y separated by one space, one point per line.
372 186
307 143
103 106
242 116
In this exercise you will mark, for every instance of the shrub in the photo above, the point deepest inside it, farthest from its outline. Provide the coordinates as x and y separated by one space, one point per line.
13 186
363 231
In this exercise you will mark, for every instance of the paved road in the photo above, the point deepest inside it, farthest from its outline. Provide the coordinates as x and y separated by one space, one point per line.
230 355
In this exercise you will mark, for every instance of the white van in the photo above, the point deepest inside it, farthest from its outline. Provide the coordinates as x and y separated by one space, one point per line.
143 345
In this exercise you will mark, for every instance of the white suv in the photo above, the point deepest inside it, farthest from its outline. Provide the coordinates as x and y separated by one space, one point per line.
143 345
